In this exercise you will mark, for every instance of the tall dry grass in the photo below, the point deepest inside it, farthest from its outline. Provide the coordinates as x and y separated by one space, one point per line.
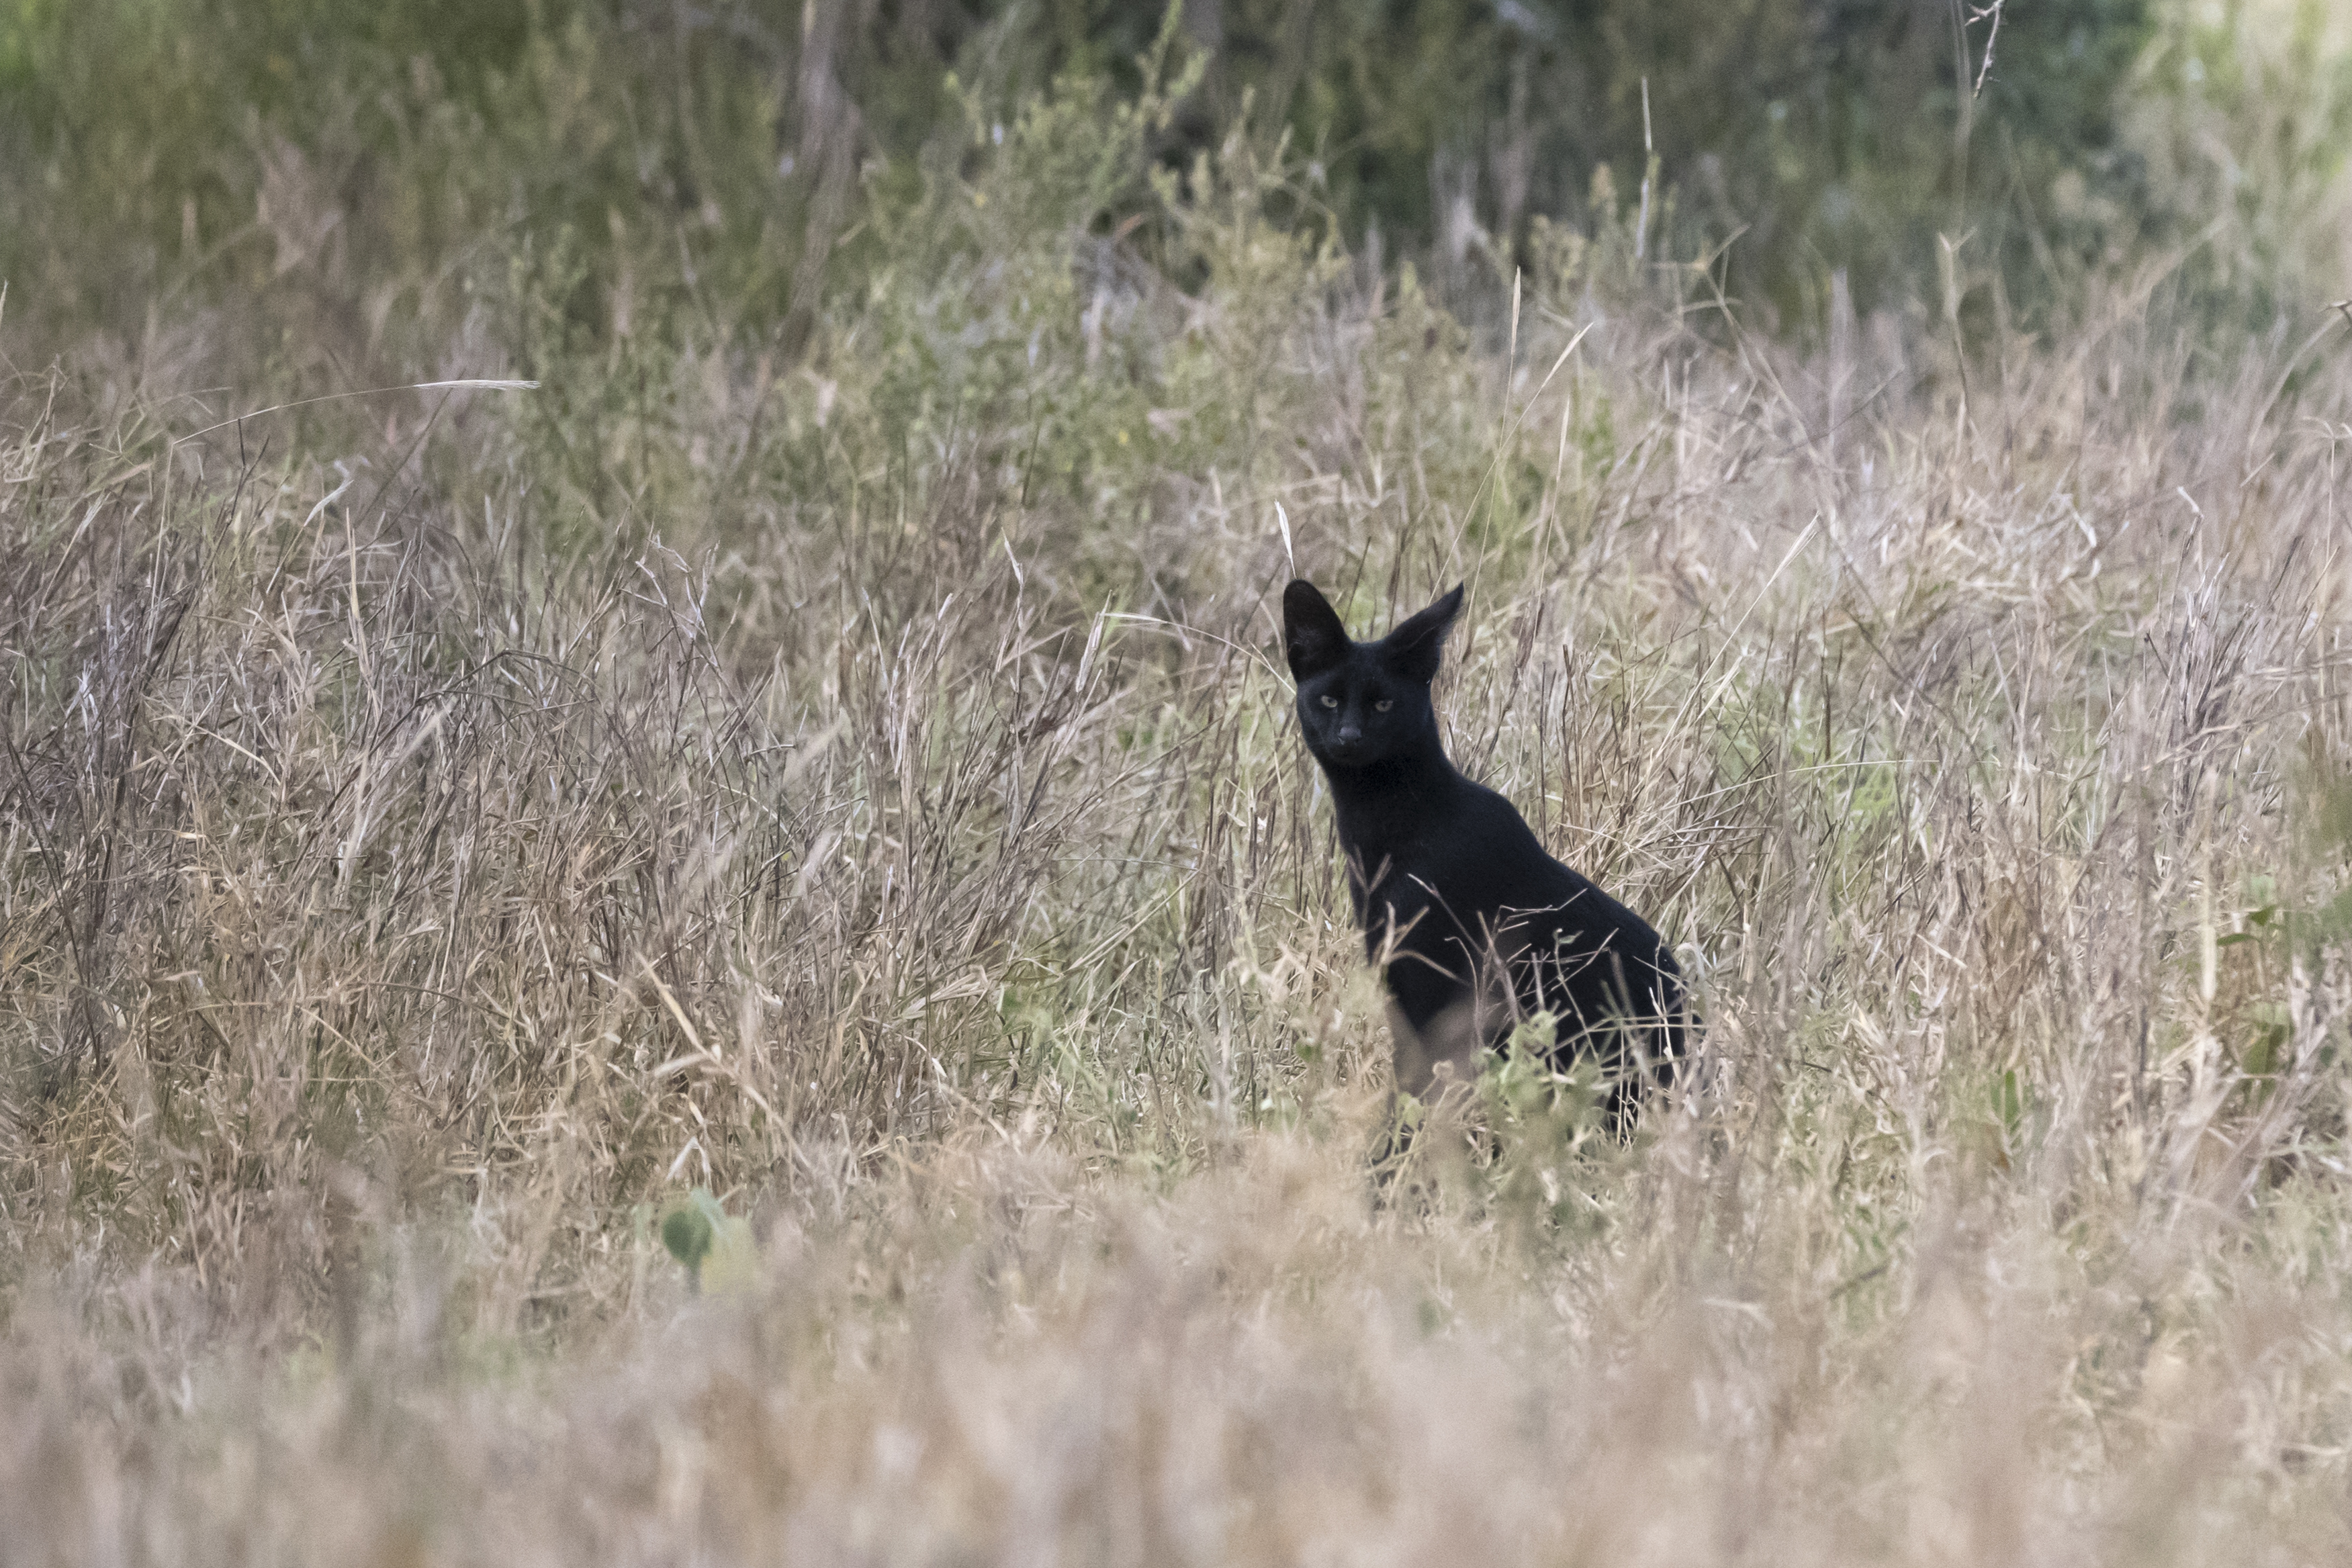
417 875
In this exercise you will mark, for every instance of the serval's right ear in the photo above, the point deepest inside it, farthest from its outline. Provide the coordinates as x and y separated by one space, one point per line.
1311 634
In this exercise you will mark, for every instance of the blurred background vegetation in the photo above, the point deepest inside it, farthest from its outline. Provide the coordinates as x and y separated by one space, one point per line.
378 171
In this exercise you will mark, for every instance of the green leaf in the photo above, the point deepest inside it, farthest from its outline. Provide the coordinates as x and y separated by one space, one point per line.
686 1232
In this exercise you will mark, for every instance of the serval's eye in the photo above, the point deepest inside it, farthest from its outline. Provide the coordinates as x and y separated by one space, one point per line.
1382 706
1330 702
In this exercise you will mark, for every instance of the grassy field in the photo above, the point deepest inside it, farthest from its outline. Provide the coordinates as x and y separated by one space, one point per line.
446 834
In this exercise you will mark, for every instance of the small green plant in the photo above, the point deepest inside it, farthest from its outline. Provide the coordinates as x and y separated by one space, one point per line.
2012 1105
715 1249
1543 1119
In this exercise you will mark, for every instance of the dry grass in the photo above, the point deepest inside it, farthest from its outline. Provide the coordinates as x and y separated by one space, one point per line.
401 910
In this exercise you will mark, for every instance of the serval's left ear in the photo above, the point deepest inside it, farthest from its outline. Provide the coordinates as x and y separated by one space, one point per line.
1411 650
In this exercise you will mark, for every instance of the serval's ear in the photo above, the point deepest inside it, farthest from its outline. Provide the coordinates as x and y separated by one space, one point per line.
1312 636
1411 650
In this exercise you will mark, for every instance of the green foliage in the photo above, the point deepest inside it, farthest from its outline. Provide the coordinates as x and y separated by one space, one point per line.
743 168
715 1249
1841 137
2242 119
1550 1134
686 1231
1529 1145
